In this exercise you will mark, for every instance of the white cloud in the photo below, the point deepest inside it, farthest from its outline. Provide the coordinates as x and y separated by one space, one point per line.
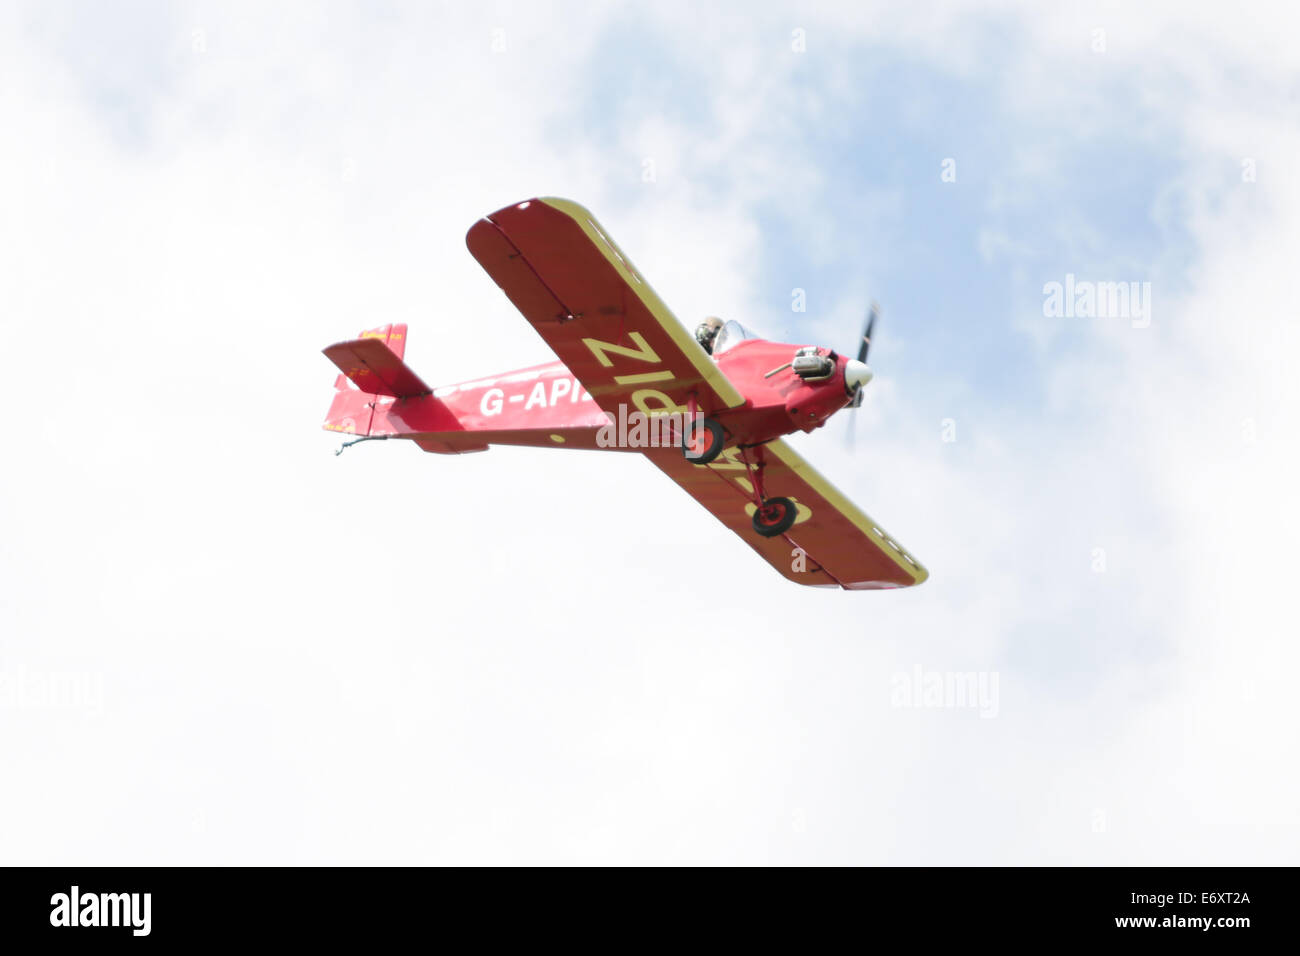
529 657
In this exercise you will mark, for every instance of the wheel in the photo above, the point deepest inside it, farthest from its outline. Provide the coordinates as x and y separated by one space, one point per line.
774 517
702 443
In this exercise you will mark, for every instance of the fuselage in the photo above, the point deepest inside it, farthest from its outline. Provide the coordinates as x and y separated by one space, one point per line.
546 406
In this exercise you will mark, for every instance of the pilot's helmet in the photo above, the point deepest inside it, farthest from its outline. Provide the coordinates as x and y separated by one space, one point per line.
707 331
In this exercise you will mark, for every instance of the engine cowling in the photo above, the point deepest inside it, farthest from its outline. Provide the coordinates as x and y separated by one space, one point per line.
821 392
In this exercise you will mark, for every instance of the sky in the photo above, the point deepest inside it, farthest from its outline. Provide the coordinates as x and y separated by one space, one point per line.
221 644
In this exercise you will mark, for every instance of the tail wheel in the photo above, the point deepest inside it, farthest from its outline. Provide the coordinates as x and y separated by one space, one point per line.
703 442
774 517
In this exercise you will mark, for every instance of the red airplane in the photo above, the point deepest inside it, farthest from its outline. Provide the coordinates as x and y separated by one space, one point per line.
709 411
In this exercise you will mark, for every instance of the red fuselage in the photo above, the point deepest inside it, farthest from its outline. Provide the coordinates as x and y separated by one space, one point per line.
546 406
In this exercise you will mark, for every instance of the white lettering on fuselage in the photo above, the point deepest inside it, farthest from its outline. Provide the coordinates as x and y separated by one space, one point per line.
539 396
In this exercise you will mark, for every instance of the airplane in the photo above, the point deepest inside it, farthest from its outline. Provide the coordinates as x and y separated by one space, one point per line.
710 410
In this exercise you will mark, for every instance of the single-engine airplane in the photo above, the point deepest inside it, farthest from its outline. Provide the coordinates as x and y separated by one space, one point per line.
710 411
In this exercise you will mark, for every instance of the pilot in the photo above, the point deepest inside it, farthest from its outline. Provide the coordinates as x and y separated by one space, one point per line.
707 331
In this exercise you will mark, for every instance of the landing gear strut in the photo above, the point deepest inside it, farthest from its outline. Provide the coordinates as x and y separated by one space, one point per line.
772 516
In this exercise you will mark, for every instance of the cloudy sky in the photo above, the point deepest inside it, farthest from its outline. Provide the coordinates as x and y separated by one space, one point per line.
219 643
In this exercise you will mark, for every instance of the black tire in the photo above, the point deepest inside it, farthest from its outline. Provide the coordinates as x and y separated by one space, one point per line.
781 513
701 445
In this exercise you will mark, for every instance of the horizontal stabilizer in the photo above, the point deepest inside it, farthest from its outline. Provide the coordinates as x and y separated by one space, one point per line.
373 367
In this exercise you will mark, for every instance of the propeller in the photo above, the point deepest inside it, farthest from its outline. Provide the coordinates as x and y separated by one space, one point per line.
856 372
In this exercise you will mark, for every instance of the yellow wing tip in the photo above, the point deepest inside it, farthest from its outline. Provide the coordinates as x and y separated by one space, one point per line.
567 206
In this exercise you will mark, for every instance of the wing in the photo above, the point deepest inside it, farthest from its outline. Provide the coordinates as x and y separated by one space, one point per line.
583 296
832 543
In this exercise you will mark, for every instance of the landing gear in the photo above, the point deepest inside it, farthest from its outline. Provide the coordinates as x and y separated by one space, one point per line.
703 441
774 516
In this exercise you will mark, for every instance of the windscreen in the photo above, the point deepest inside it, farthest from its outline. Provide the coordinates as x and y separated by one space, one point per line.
730 334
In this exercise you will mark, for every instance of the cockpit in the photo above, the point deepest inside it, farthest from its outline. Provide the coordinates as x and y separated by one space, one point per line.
731 334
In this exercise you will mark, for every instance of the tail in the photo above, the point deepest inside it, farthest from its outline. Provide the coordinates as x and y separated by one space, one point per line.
371 365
